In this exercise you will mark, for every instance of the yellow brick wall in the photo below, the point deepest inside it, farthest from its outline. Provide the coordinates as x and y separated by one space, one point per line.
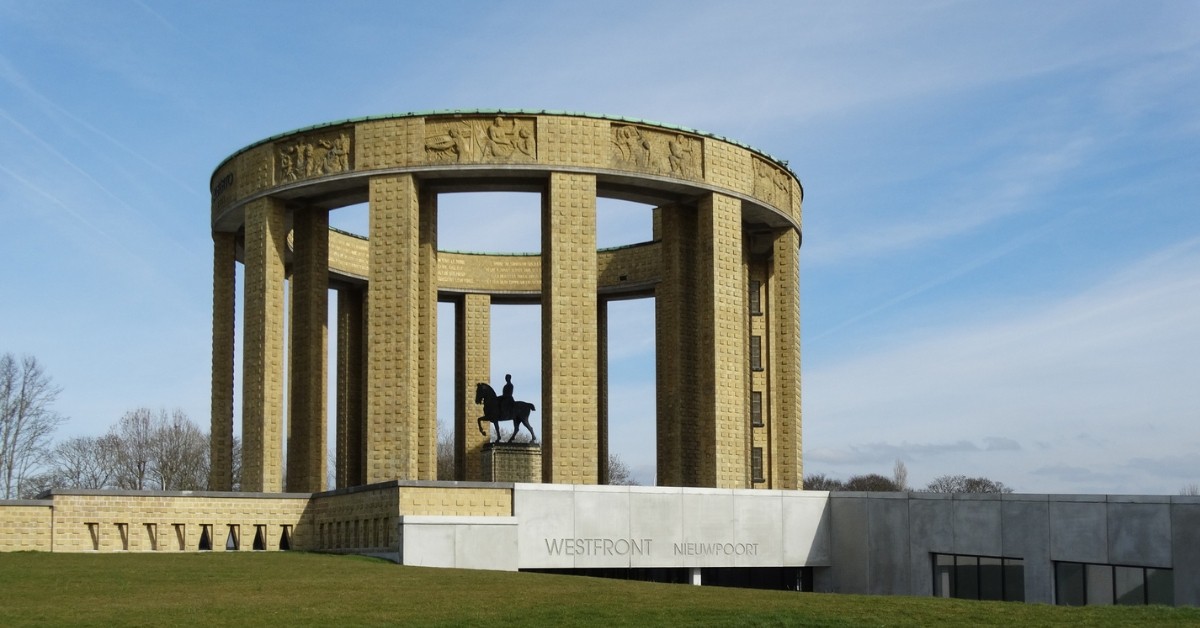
472 365
364 519
113 521
457 502
512 463
224 330
25 527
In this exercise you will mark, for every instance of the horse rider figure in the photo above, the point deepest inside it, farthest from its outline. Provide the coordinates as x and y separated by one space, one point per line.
506 399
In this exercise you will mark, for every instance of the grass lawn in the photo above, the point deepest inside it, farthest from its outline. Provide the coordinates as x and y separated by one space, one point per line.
299 589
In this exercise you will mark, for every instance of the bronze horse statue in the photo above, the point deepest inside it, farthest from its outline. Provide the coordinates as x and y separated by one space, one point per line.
491 412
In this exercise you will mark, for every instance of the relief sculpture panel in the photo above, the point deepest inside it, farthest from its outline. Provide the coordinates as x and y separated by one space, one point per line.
772 185
481 140
657 152
314 155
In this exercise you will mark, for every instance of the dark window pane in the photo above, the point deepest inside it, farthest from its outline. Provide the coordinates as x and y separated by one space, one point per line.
943 568
1160 586
991 579
756 353
1099 585
756 464
1014 580
755 297
966 577
1130 583
756 418
1068 584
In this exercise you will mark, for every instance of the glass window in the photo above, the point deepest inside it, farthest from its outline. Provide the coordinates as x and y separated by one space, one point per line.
991 578
1014 579
756 353
1130 585
756 408
966 577
1068 584
755 297
1099 581
756 464
943 568
1160 586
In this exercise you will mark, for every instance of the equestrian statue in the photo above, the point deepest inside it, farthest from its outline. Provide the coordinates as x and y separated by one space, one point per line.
497 408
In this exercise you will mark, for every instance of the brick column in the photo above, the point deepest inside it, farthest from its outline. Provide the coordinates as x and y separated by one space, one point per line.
220 475
677 350
785 361
427 338
350 378
569 357
472 364
262 352
309 293
722 337
401 288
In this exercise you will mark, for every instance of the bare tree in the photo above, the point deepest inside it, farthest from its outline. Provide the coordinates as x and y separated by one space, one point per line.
445 454
964 484
179 453
84 462
822 482
900 475
1190 489
619 473
160 451
26 420
870 482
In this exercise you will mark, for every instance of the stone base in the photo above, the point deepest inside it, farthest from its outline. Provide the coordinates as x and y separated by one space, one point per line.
512 462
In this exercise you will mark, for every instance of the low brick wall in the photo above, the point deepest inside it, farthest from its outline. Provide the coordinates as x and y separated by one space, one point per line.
26 526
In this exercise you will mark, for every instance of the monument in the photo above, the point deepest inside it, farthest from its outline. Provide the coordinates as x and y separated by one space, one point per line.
722 267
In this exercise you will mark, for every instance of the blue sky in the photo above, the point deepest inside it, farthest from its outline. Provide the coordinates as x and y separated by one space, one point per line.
1001 259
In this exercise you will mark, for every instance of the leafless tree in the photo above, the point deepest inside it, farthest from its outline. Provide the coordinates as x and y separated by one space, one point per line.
822 482
26 419
900 475
964 484
160 451
179 453
84 462
870 482
1190 489
445 454
619 473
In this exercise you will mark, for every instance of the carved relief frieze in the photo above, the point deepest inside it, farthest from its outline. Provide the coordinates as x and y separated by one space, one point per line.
772 184
314 155
499 139
658 152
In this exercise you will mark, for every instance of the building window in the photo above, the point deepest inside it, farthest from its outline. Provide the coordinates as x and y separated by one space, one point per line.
979 577
756 419
756 464
756 353
756 297
1079 584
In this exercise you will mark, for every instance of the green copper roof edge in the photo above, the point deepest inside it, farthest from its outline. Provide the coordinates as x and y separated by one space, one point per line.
527 112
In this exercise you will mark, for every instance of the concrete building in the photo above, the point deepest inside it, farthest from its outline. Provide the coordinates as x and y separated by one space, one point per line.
1065 549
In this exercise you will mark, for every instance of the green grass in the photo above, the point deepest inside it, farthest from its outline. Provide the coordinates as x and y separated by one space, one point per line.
298 589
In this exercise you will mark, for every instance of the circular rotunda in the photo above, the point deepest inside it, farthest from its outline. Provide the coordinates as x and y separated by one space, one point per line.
722 267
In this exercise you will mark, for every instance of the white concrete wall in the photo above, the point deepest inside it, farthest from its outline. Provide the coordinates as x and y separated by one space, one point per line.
459 542
578 527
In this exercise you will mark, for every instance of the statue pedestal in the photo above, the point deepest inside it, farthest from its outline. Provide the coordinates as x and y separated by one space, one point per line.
512 462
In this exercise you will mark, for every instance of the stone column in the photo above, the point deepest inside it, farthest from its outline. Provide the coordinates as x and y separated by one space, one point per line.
722 338
785 361
569 356
308 330
220 476
677 350
472 364
427 338
262 352
350 379
401 293
602 470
